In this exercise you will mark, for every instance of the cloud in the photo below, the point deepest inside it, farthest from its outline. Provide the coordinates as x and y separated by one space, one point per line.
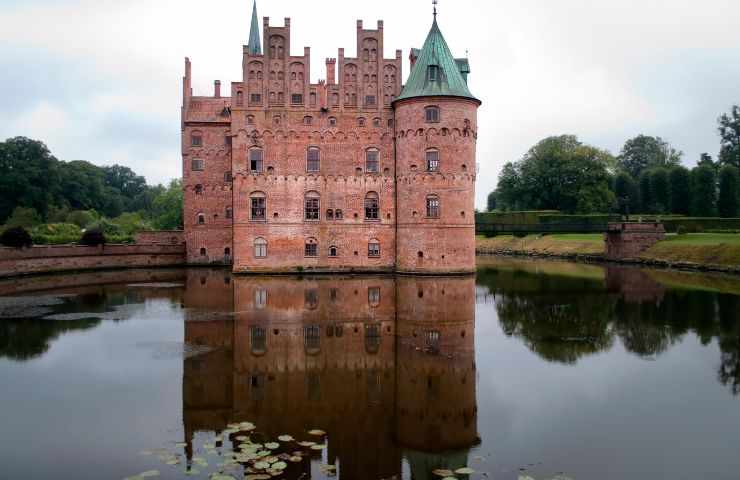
100 80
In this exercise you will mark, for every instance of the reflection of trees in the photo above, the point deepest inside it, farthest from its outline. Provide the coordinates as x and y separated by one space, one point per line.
559 328
30 338
729 342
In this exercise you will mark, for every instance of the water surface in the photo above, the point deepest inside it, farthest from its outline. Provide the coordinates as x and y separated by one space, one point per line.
543 369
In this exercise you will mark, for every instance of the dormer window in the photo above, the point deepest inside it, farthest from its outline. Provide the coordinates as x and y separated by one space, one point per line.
433 73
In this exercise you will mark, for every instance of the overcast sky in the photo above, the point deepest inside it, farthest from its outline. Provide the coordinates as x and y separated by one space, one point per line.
100 80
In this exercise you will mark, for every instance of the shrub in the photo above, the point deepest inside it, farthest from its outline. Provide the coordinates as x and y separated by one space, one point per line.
82 218
93 238
682 230
16 237
520 234
56 233
23 217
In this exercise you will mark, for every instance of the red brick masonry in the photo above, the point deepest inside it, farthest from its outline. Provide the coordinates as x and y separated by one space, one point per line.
629 240
168 237
45 259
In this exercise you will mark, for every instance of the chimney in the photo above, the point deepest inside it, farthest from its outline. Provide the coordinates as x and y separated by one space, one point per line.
217 88
412 58
331 71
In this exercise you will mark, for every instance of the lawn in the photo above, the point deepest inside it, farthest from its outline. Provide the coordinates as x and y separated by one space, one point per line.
704 239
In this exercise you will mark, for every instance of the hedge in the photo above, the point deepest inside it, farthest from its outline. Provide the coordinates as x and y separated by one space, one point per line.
700 224
594 219
513 218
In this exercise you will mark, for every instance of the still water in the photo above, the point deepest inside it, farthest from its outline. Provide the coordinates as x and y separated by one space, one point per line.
529 369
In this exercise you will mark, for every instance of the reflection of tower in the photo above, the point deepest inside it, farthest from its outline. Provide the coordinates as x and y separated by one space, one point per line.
319 353
436 406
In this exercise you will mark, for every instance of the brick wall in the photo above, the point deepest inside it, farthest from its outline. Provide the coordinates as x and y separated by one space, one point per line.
43 259
172 237
629 240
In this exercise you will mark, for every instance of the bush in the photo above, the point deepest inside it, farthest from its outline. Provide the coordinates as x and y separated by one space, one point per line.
56 234
93 238
16 237
23 217
682 230
82 218
700 224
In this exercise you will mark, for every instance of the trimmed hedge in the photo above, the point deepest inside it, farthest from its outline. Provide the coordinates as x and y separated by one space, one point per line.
595 219
513 218
700 224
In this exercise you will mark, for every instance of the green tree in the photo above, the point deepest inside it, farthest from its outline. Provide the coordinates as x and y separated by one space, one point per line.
558 173
23 217
660 190
627 193
81 185
729 132
645 152
491 201
680 180
729 191
646 193
167 207
703 192
29 176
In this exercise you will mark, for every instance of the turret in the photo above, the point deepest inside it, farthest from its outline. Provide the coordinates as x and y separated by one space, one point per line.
436 121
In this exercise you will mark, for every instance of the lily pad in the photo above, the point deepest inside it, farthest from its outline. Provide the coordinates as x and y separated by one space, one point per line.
306 444
316 432
465 471
280 466
285 438
295 458
318 447
257 476
272 445
262 465
440 472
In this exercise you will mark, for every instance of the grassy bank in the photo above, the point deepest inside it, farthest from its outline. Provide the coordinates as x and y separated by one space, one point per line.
720 249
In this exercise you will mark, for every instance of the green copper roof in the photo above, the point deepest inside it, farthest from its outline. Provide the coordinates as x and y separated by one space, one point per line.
255 45
449 80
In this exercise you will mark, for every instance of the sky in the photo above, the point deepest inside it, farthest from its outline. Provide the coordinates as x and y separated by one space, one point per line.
100 80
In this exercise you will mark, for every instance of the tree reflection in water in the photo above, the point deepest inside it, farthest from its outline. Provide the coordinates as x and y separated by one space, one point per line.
563 319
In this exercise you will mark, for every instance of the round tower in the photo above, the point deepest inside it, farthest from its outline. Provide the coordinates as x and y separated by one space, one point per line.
436 125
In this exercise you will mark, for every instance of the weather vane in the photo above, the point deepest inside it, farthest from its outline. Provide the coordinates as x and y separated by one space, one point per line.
434 2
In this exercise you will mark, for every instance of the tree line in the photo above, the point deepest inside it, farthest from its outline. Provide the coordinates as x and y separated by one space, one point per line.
38 188
561 173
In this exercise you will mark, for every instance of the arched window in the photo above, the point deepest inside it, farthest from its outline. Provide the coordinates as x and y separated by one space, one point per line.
311 206
431 114
203 253
333 251
366 55
376 122
372 160
255 160
313 159
432 160
311 248
330 214
250 119
229 212
338 214
260 247
307 120
371 206
201 218
432 206
258 206
239 98
373 248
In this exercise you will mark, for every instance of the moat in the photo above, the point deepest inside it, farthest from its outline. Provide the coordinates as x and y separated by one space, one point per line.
529 368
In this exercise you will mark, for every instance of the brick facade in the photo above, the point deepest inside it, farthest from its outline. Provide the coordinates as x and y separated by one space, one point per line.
626 241
279 140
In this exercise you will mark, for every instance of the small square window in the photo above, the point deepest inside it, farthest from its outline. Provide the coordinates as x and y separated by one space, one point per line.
296 98
311 250
255 98
431 114
376 122
307 120
196 140
332 121
228 178
197 164
373 249
369 99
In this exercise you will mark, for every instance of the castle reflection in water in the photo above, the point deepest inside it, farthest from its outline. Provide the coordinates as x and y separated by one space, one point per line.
385 365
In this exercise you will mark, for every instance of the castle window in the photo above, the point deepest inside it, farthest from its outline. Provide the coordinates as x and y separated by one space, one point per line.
372 163
260 247
330 214
311 203
296 98
197 164
371 206
335 99
376 122
338 214
369 99
257 340
260 295
307 120
361 121
431 338
312 341
366 55
255 99
199 189
276 119
196 140
228 178
431 114
373 248
313 159
281 75
239 99
250 119
312 98
255 160
229 212
432 206
372 338
281 97
201 219
333 251
227 141
433 73
390 123
432 160
293 76
202 254
332 122
311 248
257 204
227 254
373 296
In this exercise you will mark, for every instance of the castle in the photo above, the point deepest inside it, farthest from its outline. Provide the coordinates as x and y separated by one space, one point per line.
354 173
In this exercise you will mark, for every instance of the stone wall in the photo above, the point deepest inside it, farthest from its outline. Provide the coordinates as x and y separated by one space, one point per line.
171 237
628 240
60 258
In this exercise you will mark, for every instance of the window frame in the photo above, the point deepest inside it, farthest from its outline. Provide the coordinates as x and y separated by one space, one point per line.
257 207
196 139
310 161
296 99
376 161
311 248
435 111
195 162
433 206
312 210
433 164
259 247
373 248
258 162
372 212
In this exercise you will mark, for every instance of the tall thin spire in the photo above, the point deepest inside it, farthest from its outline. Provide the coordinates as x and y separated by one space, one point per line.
434 3
254 44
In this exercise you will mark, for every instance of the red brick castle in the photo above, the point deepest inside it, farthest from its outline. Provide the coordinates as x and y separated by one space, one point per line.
354 173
